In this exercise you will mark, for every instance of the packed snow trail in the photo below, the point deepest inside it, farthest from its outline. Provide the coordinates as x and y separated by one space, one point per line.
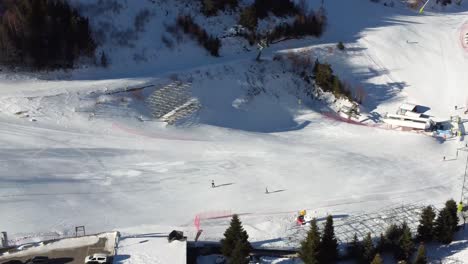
73 176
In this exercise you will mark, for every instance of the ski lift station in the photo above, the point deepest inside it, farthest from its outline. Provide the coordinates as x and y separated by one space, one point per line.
349 109
408 118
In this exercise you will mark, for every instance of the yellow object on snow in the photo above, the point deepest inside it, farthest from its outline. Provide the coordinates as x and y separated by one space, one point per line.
302 212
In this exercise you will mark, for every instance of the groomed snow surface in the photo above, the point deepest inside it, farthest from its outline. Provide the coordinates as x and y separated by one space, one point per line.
88 160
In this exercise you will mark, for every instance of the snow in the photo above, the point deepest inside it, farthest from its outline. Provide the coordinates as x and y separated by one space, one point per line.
88 160
212 259
151 247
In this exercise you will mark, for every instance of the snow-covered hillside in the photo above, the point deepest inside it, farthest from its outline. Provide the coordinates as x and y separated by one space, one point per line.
81 147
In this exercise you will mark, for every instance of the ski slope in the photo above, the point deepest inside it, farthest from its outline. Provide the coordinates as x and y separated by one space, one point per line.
110 171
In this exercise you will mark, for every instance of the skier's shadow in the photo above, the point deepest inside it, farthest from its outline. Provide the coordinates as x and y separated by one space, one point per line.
277 191
224 184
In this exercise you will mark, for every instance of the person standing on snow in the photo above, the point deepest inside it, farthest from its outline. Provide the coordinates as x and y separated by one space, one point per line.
213 184
460 212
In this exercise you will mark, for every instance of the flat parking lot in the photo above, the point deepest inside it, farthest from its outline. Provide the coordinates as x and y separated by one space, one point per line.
69 255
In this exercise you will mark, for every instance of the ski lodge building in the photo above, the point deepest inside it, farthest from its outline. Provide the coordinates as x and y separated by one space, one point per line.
408 118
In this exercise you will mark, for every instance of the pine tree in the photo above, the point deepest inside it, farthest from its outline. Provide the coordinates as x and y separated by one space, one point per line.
239 254
451 206
443 227
368 249
328 244
104 61
355 248
377 259
324 76
248 18
405 245
426 224
340 46
421 255
381 244
392 236
309 251
337 87
209 7
234 234
316 64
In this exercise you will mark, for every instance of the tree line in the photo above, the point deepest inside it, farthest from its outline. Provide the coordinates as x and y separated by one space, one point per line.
305 23
210 43
43 34
321 247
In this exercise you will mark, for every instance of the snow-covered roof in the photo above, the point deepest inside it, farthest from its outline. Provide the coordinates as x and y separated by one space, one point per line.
412 114
408 106
150 249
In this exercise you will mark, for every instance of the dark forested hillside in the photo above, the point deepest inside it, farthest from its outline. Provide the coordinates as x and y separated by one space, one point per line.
43 34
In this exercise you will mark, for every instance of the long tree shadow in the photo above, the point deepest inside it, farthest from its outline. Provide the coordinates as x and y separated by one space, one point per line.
60 260
268 241
119 259
440 252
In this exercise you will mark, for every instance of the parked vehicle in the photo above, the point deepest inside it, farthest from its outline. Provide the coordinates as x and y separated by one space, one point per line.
98 258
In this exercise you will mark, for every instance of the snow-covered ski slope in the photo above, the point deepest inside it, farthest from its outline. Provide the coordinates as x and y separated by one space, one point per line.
87 160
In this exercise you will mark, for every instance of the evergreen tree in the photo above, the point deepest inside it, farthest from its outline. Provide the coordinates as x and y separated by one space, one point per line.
316 64
104 61
340 46
377 259
405 244
324 76
368 249
239 254
309 251
234 234
337 87
421 255
392 236
380 248
443 227
248 18
426 224
209 7
451 206
328 244
355 248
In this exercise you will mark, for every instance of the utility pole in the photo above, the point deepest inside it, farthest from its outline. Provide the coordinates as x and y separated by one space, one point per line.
261 45
464 192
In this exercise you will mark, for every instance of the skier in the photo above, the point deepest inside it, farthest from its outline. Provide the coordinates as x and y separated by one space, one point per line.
266 190
213 184
460 212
